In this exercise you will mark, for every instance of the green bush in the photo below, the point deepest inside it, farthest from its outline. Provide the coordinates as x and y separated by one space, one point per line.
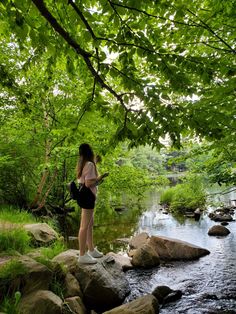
16 239
12 269
14 215
53 250
189 195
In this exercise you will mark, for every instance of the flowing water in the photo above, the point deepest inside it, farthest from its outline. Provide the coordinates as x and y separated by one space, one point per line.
208 284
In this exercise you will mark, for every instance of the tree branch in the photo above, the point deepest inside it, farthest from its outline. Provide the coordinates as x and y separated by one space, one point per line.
86 55
151 15
206 26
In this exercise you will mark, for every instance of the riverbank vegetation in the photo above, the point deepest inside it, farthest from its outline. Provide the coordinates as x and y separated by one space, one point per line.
186 196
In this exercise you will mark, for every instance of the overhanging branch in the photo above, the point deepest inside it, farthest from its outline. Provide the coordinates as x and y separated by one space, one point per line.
86 55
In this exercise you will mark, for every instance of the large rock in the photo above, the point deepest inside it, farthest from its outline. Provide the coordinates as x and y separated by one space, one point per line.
146 257
104 284
76 305
41 302
164 294
68 258
220 216
173 249
33 276
124 261
139 240
41 233
38 276
144 305
72 287
218 230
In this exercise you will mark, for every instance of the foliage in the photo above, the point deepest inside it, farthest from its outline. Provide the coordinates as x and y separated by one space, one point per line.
189 195
10 304
12 269
15 239
104 72
53 250
14 215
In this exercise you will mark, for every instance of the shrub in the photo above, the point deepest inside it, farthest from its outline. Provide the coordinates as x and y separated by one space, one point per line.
189 195
16 239
13 215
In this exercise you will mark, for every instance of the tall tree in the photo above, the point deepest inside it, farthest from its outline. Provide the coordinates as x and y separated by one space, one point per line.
146 59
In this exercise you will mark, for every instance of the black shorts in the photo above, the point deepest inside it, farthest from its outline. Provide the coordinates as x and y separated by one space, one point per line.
86 198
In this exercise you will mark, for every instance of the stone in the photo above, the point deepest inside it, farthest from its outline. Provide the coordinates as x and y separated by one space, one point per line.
76 305
170 249
145 257
144 305
220 217
224 223
38 276
164 294
72 287
41 302
218 230
124 261
139 240
160 292
104 284
68 258
41 233
34 276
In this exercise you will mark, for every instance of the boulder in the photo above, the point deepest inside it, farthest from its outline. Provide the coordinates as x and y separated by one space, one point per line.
75 305
124 261
218 230
220 217
41 233
33 276
146 257
104 284
68 258
72 287
38 276
173 249
41 302
144 305
164 294
139 240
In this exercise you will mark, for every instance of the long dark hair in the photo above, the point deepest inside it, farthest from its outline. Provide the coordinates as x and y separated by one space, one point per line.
85 154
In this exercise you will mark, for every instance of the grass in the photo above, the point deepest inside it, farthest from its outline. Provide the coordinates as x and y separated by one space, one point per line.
12 269
12 240
53 250
13 215
10 304
10 285
186 196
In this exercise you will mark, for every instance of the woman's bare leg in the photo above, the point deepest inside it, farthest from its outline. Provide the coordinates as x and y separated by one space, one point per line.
86 216
90 234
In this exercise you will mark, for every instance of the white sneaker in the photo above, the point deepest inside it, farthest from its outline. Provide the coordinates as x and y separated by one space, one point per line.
95 253
86 259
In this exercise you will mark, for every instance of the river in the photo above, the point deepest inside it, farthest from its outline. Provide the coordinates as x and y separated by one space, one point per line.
208 284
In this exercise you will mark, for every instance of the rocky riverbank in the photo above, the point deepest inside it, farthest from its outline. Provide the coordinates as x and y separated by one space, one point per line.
62 285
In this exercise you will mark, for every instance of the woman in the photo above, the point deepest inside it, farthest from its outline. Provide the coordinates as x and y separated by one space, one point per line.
88 177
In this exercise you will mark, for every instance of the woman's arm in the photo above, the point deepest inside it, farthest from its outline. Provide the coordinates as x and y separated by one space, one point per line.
95 181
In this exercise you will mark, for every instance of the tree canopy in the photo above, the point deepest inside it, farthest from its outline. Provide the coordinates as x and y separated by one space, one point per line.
105 71
140 62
